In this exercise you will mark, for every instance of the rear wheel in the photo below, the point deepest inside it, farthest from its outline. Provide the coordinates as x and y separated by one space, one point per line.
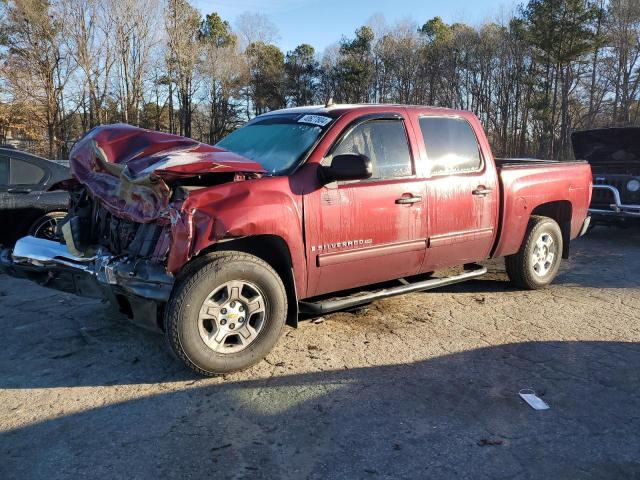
537 263
227 315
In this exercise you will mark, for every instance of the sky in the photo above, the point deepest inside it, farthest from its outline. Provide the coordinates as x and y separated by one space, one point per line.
323 22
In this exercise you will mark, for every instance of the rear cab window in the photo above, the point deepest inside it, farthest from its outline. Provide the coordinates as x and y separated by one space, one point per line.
451 145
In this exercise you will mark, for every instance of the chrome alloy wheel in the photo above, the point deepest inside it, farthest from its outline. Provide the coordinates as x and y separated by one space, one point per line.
232 316
544 254
47 228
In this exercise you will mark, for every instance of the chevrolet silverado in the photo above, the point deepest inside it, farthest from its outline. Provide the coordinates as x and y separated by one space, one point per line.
305 210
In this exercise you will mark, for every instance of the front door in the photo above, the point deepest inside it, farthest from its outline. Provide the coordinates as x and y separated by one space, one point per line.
367 231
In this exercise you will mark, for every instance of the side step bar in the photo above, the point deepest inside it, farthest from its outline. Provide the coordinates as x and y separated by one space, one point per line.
332 305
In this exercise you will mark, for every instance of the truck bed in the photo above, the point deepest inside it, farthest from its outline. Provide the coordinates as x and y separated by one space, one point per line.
558 189
527 162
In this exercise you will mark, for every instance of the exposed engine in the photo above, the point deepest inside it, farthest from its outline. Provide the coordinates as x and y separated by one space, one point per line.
89 226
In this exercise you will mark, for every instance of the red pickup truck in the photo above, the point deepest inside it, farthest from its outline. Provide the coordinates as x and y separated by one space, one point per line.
303 210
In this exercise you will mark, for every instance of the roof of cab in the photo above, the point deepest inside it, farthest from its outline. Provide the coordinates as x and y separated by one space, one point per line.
340 108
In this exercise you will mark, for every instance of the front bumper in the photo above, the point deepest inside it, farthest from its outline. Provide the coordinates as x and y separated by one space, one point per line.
617 208
138 287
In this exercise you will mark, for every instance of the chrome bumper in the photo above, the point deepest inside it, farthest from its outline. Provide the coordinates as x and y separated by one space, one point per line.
585 226
617 208
139 282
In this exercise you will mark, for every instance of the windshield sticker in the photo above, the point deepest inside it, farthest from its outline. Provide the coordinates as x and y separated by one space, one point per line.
315 120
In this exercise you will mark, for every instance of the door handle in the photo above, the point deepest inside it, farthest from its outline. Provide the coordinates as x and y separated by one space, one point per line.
482 191
18 190
408 200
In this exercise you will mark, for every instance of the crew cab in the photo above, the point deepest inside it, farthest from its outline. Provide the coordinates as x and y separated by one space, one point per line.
304 210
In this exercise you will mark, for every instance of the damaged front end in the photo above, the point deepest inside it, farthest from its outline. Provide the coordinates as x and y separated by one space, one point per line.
138 287
130 225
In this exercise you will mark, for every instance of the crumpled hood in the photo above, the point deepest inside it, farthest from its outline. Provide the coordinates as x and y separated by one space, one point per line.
607 145
127 168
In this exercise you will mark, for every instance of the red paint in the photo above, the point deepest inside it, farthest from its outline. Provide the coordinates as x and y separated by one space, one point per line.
526 188
340 236
128 168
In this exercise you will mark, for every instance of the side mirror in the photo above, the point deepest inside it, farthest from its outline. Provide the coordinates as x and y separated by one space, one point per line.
349 166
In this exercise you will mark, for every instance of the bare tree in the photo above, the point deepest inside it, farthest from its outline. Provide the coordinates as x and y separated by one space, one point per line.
532 76
224 70
38 65
137 23
255 27
624 31
328 81
89 40
182 24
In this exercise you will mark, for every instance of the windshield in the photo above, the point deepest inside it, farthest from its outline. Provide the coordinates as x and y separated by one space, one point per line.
277 143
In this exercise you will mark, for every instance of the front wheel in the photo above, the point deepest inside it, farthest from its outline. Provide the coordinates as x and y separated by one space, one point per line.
538 260
227 315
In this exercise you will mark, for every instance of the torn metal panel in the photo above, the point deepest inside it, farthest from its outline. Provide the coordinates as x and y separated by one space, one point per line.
54 266
128 168
235 210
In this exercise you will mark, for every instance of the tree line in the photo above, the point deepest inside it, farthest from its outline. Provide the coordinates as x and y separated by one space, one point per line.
532 76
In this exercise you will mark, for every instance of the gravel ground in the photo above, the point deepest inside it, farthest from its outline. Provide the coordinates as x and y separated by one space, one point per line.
419 386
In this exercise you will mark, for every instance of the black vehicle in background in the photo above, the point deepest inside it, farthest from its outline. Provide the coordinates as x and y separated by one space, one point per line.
614 155
27 205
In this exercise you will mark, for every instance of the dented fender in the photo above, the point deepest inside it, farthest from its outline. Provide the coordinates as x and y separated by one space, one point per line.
235 210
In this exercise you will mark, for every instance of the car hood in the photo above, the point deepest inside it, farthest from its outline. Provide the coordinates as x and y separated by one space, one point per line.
129 169
606 146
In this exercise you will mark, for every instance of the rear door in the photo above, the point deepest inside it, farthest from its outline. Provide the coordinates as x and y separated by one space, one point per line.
367 231
18 179
462 192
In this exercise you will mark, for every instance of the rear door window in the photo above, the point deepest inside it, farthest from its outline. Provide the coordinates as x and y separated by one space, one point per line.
25 173
4 170
451 145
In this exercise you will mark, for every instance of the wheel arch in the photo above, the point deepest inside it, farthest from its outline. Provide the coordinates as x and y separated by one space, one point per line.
272 249
561 211
22 220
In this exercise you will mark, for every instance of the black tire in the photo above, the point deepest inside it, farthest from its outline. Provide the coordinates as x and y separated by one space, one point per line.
46 225
182 315
520 266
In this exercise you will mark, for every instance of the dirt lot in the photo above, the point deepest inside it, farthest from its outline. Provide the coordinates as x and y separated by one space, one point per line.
419 386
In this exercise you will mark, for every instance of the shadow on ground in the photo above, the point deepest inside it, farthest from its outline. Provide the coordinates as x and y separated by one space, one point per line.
455 416
100 398
607 257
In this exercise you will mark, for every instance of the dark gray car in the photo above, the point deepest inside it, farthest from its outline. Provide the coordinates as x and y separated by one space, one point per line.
28 206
